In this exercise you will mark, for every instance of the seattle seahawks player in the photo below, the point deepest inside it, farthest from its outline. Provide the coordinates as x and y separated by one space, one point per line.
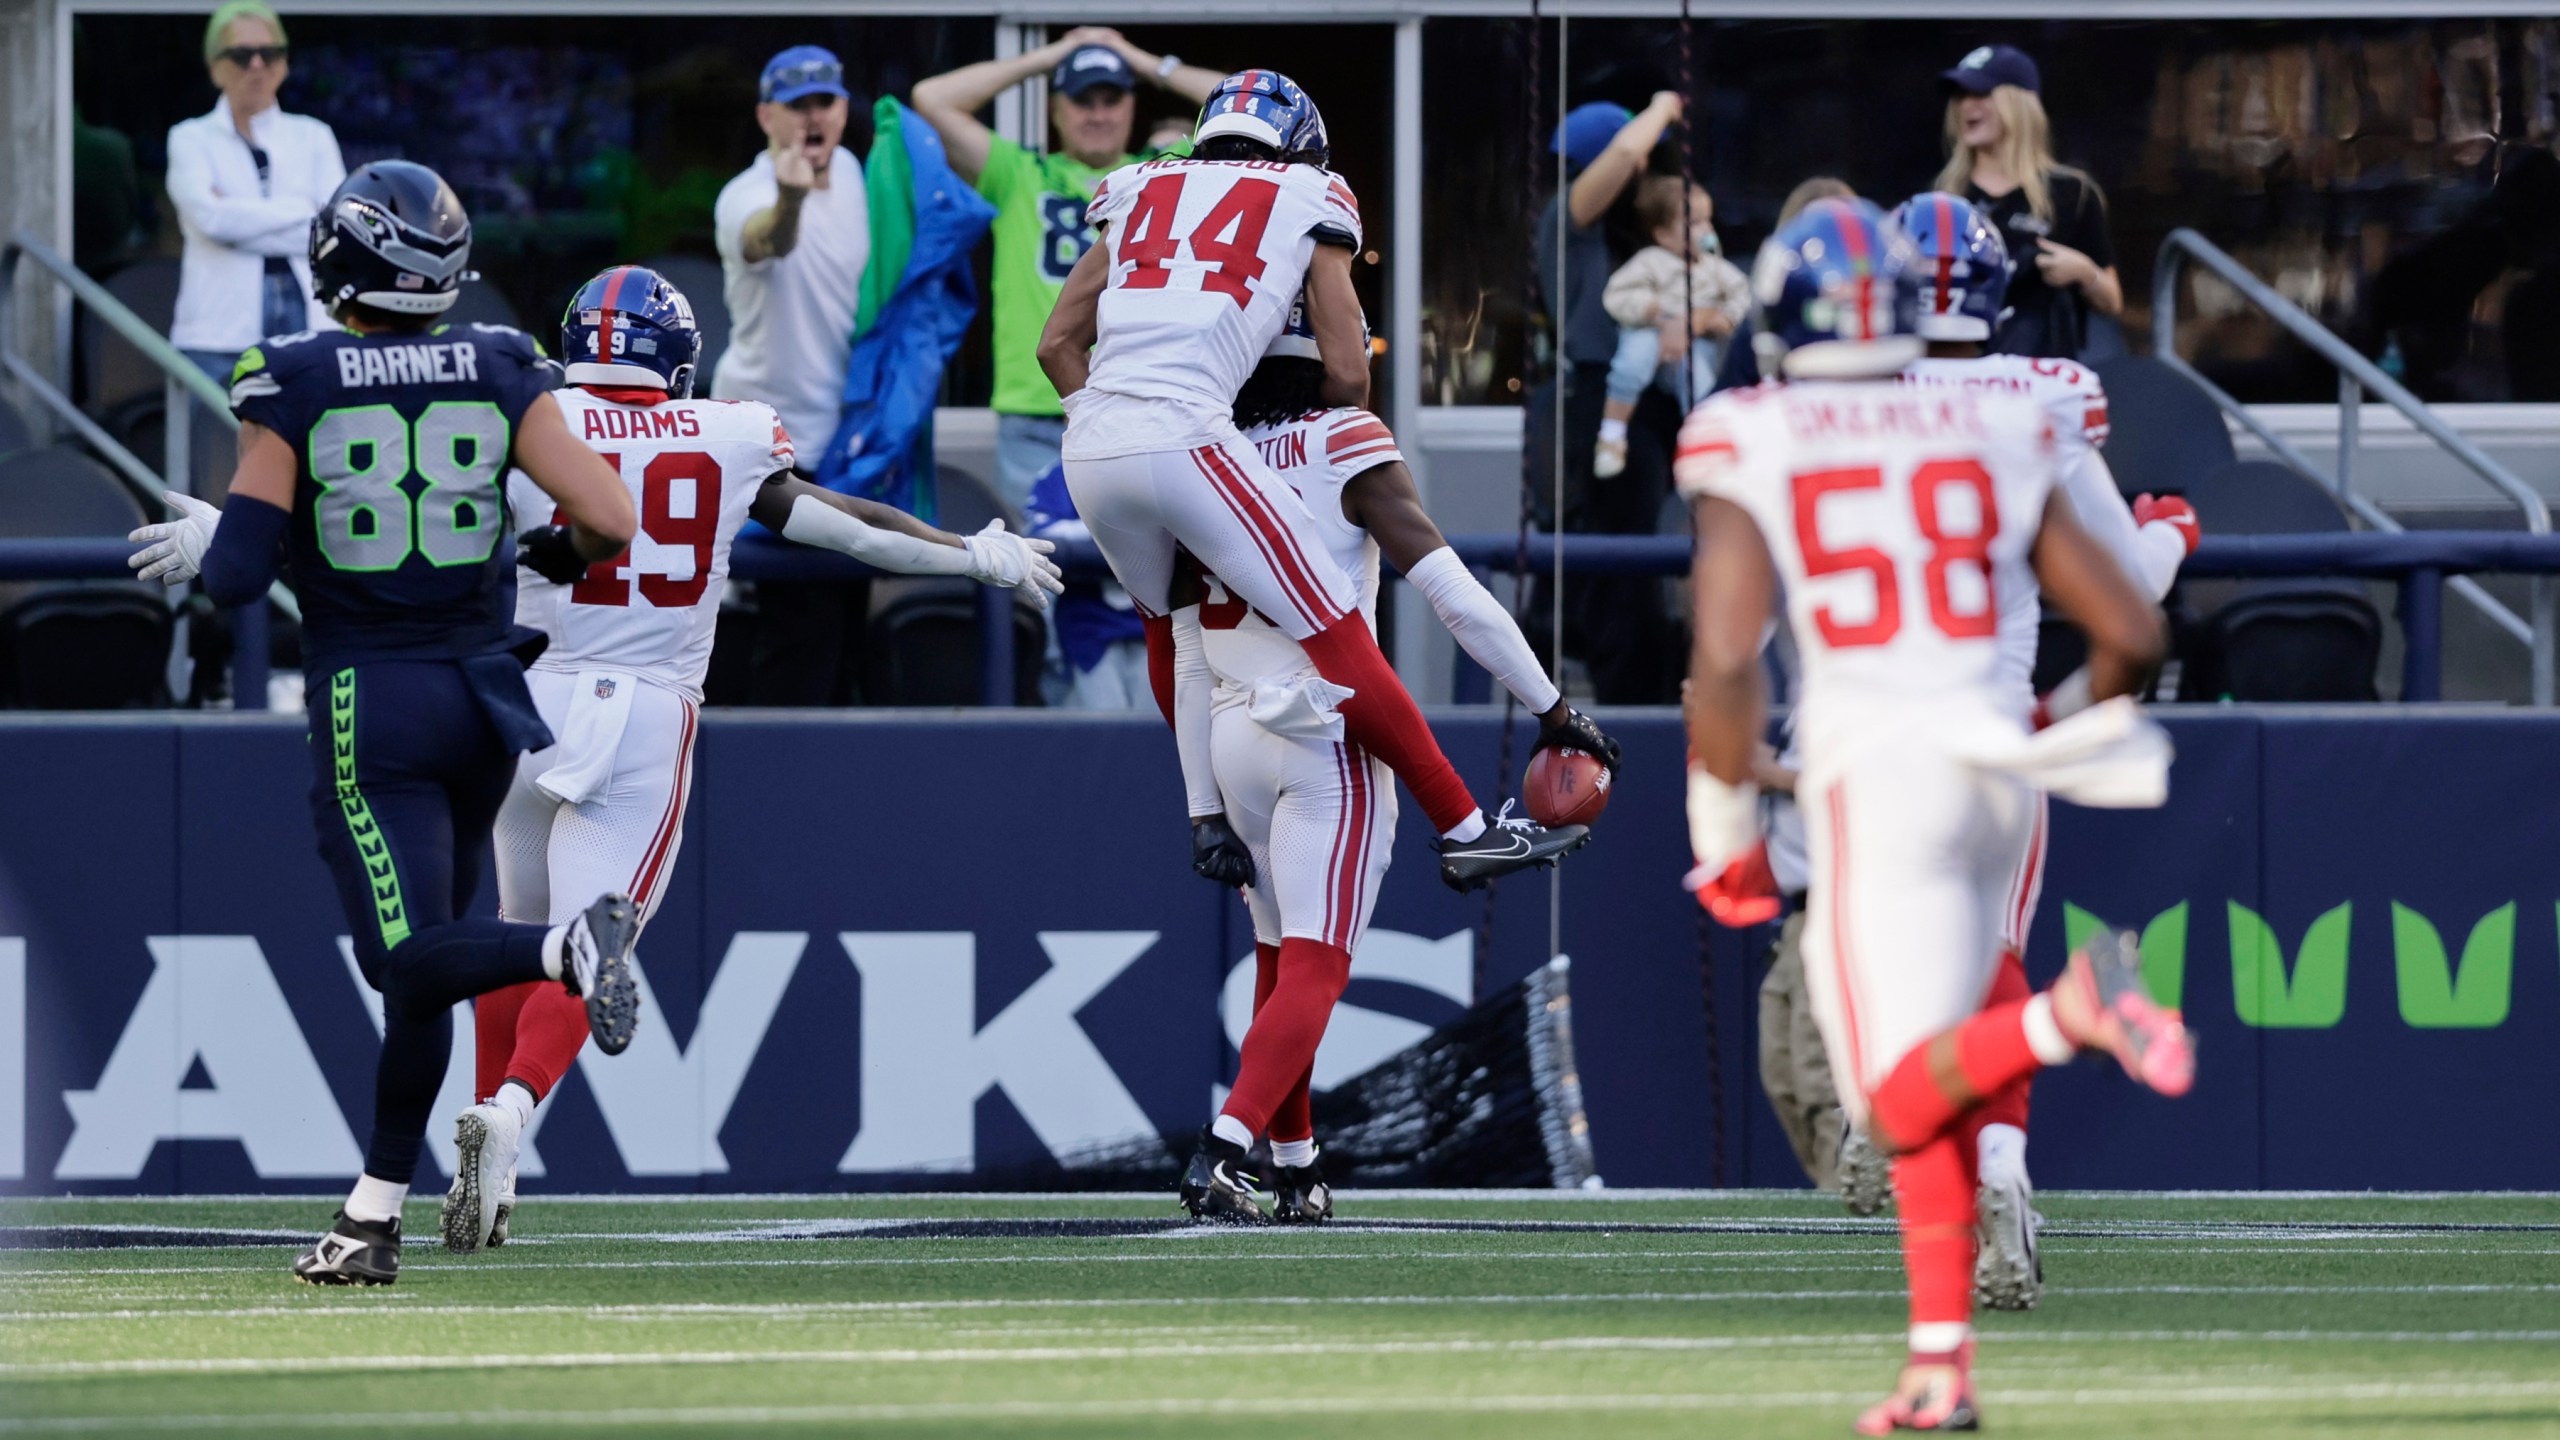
371 465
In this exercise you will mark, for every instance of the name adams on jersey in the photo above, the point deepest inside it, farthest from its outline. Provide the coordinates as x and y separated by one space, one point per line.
400 444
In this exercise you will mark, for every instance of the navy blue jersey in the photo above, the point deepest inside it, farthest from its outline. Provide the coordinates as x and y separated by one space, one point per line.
398 548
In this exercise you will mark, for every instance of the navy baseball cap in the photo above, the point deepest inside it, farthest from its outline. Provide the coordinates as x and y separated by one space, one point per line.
800 71
1989 66
1089 66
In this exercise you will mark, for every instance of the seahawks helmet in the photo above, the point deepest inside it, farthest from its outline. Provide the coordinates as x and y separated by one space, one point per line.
1964 265
628 326
1835 295
1268 108
392 236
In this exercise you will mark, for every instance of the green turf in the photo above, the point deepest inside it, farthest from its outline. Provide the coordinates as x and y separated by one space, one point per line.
2182 1316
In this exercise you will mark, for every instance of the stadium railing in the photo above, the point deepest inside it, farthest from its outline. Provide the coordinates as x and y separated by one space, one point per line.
2357 376
2422 562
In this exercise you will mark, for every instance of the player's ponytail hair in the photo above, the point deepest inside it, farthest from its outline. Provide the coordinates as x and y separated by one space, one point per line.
1282 387
2025 149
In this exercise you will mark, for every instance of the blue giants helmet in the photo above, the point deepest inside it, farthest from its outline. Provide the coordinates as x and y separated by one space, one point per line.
1268 108
1836 295
1964 265
628 326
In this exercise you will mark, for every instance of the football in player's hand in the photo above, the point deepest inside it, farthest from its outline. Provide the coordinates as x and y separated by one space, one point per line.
1565 786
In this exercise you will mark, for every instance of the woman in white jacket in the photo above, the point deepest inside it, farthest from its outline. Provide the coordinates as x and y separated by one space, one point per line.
246 180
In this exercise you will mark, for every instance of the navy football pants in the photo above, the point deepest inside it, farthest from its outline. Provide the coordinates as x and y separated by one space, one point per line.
407 776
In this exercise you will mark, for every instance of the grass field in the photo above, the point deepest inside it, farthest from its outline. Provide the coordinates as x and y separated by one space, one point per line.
1477 1315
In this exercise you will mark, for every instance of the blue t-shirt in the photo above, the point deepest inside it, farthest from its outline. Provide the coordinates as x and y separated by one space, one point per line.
399 546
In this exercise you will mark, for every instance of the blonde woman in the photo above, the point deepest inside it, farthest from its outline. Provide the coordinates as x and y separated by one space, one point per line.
2054 218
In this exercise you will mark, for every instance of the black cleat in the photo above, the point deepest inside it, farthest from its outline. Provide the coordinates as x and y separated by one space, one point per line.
1507 844
599 970
354 1252
1302 1197
1218 1188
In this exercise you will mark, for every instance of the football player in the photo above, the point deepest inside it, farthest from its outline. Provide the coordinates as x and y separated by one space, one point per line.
372 461
1198 262
1897 521
1964 276
1290 809
621 681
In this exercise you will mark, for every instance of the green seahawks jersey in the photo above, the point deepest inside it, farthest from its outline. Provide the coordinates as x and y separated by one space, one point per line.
1040 235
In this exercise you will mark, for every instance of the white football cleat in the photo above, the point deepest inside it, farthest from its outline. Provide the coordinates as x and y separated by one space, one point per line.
2007 1272
506 1211
485 1138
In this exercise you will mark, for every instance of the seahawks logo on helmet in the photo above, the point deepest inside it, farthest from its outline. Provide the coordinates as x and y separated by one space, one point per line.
393 236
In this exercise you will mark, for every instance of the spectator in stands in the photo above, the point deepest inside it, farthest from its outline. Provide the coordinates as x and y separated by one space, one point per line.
794 232
2000 156
246 180
1039 230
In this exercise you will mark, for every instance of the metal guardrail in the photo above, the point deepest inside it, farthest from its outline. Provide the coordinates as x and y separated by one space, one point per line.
2423 562
2356 376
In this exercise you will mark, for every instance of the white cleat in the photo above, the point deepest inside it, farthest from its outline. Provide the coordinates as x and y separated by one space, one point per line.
485 1138
506 1211
2007 1272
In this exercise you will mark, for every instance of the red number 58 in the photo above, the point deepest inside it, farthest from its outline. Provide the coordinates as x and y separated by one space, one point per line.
1945 552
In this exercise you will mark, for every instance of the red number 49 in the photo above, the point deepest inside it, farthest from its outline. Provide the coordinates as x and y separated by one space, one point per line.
1945 552
1229 237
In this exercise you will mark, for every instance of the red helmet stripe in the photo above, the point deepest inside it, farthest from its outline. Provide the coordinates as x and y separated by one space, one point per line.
1854 240
1946 251
612 301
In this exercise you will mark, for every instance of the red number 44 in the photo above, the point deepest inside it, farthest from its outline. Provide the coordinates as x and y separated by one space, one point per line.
1945 552
1228 238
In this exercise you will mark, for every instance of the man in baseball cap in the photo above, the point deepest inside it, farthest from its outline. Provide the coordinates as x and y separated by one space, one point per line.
1987 67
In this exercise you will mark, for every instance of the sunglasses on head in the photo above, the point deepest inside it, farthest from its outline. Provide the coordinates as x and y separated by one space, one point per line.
808 72
241 55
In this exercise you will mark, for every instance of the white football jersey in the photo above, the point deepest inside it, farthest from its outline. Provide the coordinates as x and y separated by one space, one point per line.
2075 405
1900 522
1318 454
694 467
1206 258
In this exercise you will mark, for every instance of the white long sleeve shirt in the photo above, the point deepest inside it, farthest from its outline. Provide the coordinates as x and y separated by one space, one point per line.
232 222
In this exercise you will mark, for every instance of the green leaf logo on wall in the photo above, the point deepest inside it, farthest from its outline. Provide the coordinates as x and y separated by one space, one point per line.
2432 997
2314 997
2164 947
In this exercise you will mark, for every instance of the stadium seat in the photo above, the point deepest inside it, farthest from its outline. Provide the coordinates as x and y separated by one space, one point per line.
116 371
923 645
701 282
84 644
15 433
2307 639
2164 431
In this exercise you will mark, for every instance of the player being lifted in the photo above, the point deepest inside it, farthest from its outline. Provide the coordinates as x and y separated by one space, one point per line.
622 679
1300 817
371 461
1198 263
1897 521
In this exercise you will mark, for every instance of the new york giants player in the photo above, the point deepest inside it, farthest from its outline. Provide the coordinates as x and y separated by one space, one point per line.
1964 276
622 678
1159 324
1898 520
371 461
1313 815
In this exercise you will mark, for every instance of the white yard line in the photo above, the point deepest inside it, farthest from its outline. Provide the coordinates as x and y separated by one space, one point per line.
1278 1406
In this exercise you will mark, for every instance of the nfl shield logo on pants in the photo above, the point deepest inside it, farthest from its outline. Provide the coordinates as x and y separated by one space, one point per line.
604 687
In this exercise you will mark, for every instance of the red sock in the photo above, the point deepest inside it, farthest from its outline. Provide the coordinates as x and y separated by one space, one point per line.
1266 972
1933 1193
2007 1105
493 1034
1159 631
548 1035
1382 719
1296 1117
1948 1075
1281 1046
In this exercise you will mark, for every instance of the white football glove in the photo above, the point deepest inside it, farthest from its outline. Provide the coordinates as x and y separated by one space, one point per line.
173 551
1724 822
997 556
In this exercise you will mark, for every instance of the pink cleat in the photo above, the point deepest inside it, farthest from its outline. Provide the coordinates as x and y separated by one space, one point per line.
1933 1394
2100 1004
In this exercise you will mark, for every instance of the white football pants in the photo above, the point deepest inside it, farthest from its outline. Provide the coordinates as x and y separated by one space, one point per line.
2026 881
1226 507
554 859
1320 818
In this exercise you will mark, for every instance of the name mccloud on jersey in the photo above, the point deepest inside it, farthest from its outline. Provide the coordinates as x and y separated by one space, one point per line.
212 1051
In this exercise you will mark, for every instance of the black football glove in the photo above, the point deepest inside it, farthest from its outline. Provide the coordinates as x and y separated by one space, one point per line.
1578 733
1219 853
549 553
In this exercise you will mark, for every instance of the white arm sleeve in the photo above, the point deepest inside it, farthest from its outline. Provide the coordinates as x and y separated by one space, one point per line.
1192 684
2103 513
1483 628
813 521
